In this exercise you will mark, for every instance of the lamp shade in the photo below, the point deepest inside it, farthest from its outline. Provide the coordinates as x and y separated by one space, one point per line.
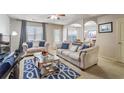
14 33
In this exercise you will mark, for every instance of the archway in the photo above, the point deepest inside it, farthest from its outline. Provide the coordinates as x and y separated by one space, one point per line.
90 30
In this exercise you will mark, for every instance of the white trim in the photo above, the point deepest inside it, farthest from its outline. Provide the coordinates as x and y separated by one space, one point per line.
119 39
111 59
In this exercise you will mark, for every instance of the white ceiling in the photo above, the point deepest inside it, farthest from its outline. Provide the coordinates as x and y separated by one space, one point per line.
64 20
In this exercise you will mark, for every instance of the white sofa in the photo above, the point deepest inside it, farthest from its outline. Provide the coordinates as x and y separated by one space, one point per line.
82 58
35 47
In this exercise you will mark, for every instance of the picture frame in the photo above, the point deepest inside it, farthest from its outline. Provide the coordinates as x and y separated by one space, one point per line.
105 27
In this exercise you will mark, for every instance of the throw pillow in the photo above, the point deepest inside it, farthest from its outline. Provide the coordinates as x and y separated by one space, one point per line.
84 46
65 46
35 43
9 59
41 43
4 68
30 44
74 48
3 55
79 48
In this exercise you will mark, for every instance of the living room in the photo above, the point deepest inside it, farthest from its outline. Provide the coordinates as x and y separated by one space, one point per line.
61 46
76 43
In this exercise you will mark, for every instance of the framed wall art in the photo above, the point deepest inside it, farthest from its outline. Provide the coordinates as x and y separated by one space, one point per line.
105 27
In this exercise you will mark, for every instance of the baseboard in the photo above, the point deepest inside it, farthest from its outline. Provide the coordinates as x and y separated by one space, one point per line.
111 59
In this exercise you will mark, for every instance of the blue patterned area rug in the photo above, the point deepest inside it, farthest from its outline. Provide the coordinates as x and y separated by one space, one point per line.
32 72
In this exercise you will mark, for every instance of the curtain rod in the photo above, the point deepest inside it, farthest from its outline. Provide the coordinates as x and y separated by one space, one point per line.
29 21
36 22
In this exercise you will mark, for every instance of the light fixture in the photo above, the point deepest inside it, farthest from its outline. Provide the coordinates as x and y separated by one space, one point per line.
56 16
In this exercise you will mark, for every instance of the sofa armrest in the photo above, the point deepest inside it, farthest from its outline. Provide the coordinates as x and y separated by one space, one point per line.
90 49
46 46
89 57
25 46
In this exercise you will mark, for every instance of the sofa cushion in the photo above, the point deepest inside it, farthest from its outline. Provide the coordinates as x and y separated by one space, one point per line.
66 52
4 68
30 44
35 43
60 51
73 48
41 43
33 50
65 45
74 55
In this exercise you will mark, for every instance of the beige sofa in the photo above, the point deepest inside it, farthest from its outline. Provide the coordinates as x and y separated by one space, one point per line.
82 58
35 47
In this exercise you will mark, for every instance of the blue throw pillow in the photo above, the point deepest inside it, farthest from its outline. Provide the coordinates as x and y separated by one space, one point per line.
4 68
9 59
41 43
65 46
2 56
84 46
30 44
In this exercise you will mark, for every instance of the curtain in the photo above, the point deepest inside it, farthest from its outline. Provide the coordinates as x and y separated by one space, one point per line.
44 31
22 35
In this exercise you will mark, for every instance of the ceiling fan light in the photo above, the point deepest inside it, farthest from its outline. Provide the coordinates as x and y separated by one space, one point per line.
54 17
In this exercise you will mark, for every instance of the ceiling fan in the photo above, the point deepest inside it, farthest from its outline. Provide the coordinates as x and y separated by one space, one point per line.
55 16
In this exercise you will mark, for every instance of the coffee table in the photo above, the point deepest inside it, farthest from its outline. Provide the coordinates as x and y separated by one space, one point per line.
47 64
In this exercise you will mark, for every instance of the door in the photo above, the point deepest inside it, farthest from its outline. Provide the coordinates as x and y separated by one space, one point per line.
121 38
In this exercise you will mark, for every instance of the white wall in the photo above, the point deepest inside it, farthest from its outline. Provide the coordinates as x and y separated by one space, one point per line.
108 42
15 25
4 26
50 33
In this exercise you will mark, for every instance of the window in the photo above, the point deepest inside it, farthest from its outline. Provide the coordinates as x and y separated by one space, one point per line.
72 34
34 31
92 34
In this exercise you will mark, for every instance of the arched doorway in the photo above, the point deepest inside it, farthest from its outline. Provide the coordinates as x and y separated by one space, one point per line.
90 30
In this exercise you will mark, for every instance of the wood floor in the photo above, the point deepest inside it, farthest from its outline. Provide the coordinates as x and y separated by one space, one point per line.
105 69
